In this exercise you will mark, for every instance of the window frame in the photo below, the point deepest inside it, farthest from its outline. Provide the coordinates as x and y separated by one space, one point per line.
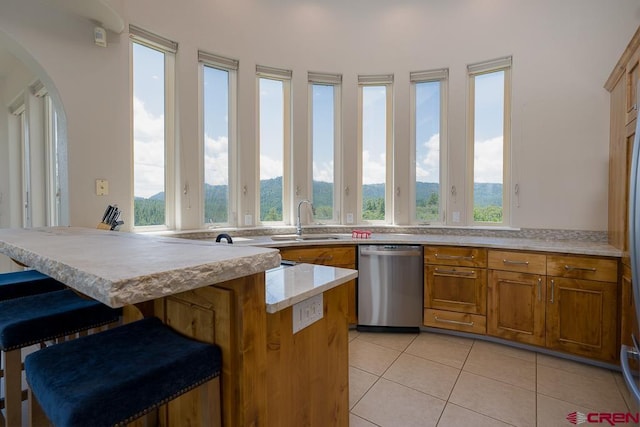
231 66
169 49
334 80
504 64
442 76
370 80
284 76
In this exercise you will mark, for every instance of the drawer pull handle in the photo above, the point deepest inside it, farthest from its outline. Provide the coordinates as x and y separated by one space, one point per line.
571 268
455 272
455 322
468 258
315 260
507 261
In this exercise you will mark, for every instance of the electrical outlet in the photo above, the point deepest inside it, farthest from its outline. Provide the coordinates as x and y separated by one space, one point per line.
307 312
349 218
456 216
102 187
248 220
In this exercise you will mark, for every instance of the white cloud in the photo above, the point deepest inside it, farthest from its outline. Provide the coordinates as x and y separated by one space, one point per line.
216 160
323 171
270 168
488 160
148 153
428 165
374 171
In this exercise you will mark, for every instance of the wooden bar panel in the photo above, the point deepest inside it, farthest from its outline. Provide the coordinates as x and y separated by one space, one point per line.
307 374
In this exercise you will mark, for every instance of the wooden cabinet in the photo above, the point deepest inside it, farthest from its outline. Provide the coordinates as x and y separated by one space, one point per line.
581 310
563 302
517 296
632 73
455 288
622 85
334 256
628 319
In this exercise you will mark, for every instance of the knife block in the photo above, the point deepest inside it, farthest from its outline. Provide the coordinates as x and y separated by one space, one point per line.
103 226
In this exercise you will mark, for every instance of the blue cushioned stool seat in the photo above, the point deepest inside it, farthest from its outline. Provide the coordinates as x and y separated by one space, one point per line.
116 376
24 283
42 317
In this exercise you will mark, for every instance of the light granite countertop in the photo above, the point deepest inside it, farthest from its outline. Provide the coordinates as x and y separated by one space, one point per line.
119 268
577 247
288 285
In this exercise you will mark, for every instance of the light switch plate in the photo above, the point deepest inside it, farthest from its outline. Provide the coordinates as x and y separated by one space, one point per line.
102 187
307 312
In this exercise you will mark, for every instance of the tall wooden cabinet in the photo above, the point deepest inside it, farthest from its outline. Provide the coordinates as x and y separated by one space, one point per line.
622 85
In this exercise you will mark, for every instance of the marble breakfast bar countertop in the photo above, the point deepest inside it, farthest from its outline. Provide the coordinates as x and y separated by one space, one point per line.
119 268
125 268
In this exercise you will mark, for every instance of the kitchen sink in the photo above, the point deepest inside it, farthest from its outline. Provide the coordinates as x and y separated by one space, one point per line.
305 237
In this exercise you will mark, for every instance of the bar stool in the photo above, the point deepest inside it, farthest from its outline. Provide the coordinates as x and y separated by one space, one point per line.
114 377
38 318
18 284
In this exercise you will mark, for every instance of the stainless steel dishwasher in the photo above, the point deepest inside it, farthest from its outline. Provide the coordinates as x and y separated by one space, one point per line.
390 287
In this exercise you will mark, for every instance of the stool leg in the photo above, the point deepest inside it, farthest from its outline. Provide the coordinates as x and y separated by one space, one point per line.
37 417
13 387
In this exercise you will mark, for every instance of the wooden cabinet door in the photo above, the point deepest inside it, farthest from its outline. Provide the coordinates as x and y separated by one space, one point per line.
516 306
581 317
632 75
460 289
627 308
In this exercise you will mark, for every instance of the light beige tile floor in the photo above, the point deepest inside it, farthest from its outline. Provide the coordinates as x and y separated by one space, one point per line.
429 379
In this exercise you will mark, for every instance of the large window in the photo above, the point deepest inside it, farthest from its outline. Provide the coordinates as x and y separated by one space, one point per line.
375 133
219 100
324 96
490 87
153 59
428 115
274 113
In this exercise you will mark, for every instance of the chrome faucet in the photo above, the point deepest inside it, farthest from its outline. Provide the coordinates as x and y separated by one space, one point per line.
299 223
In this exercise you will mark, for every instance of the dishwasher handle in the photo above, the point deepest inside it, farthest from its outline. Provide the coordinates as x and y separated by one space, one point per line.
390 252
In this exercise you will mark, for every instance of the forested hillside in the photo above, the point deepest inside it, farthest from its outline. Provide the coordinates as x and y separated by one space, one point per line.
488 201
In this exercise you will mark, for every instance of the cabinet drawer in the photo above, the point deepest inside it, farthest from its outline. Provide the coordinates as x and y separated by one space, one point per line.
457 321
460 289
455 255
522 262
336 256
600 269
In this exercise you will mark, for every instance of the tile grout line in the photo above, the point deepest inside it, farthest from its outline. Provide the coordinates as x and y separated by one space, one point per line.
454 383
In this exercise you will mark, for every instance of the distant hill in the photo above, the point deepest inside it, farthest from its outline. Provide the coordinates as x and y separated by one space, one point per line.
488 198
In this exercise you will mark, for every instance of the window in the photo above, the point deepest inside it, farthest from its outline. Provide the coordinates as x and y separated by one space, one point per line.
153 59
18 109
274 121
489 129
219 100
325 130
375 136
428 138
52 166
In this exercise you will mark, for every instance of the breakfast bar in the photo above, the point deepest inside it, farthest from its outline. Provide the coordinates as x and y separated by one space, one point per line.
239 298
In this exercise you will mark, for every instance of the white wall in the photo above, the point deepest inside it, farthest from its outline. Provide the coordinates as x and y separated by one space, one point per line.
562 54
